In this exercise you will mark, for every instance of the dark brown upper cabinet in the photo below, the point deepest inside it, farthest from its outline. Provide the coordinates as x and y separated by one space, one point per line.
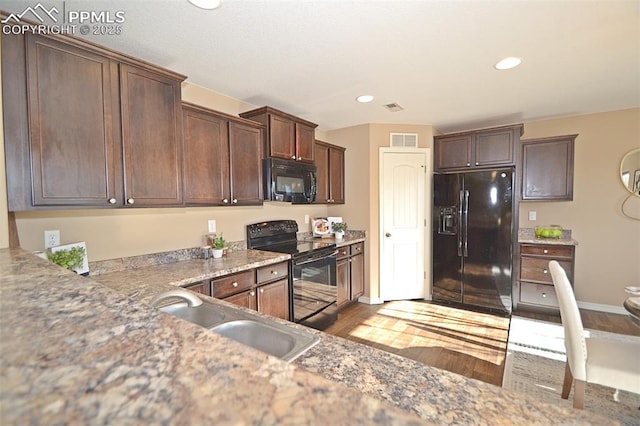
495 147
547 168
329 160
151 137
288 137
88 127
222 156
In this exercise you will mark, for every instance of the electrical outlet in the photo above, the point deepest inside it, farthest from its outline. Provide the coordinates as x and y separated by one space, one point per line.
306 219
532 215
212 226
51 238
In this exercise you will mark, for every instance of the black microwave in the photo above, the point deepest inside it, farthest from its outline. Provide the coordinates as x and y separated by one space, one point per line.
286 180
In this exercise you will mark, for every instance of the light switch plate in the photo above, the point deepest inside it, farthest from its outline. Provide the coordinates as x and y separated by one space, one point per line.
212 226
532 215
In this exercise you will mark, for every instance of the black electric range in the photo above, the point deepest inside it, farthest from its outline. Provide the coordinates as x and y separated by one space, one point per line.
312 271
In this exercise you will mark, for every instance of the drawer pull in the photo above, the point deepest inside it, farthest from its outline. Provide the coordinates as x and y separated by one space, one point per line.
253 293
544 295
234 284
262 290
274 272
545 271
545 251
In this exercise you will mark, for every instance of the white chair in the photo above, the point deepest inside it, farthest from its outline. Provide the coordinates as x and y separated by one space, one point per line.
607 362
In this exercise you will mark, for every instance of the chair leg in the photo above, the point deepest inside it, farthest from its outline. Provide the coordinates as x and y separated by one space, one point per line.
568 381
578 394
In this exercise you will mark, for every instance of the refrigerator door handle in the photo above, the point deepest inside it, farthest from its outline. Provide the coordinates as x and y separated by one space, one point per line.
466 222
460 223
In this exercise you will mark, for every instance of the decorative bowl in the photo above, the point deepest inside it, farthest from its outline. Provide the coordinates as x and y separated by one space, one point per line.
549 231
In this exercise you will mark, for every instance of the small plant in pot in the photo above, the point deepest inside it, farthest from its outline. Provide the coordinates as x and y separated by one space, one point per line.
70 258
339 229
218 246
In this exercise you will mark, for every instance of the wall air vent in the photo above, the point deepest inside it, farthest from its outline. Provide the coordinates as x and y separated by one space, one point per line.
394 107
403 140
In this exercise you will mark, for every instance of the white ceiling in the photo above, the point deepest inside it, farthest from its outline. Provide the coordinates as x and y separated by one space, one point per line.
435 58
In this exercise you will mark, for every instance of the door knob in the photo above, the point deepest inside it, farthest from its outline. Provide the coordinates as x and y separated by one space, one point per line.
388 234
131 201
112 200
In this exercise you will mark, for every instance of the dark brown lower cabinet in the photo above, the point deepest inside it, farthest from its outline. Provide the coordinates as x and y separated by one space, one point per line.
350 273
202 287
264 289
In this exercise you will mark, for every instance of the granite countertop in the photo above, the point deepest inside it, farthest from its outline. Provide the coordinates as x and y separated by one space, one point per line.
102 357
528 236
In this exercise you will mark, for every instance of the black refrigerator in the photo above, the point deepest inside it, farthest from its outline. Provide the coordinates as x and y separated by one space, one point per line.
473 232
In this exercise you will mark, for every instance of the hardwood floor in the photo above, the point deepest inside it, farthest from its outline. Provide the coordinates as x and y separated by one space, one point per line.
465 342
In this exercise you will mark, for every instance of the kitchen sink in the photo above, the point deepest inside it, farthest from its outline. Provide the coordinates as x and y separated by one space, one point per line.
260 333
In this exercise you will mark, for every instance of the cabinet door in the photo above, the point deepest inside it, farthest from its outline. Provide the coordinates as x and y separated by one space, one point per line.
453 152
202 287
206 158
357 276
336 176
496 148
322 165
246 299
547 169
151 137
342 276
246 164
282 138
273 299
305 137
75 159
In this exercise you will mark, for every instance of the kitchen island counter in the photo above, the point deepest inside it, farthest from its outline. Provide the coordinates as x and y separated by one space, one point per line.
75 351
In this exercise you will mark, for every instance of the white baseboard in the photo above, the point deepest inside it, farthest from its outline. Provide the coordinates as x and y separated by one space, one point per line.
370 300
612 309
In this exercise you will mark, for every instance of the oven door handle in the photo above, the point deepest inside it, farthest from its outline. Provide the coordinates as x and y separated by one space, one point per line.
315 258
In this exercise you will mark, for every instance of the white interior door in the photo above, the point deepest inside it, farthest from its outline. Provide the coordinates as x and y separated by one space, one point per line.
403 177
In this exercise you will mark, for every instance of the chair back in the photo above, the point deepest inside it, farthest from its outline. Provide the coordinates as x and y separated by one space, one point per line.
574 340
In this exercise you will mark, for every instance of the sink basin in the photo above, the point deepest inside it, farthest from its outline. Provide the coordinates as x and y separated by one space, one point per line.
285 344
260 333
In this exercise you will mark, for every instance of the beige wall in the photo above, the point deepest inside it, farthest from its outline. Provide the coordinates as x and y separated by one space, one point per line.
608 254
128 232
362 182
4 225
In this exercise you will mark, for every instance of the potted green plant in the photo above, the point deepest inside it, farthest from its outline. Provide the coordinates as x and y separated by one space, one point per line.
70 259
218 246
339 229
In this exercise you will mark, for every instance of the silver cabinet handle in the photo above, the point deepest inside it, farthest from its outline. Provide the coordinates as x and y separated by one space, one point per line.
468 164
225 201
234 201
262 290
545 251
293 157
274 272
234 284
131 201
112 200
477 163
299 158
544 295
388 234
544 271
253 293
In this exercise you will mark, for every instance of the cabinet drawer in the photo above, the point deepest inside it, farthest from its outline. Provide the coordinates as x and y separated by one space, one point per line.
202 287
357 248
344 251
537 269
538 294
547 250
232 284
272 272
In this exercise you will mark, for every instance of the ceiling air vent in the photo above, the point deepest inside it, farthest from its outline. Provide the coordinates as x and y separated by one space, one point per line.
394 107
404 140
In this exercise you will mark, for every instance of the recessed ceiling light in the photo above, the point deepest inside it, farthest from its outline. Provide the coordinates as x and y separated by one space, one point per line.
206 4
508 63
364 98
